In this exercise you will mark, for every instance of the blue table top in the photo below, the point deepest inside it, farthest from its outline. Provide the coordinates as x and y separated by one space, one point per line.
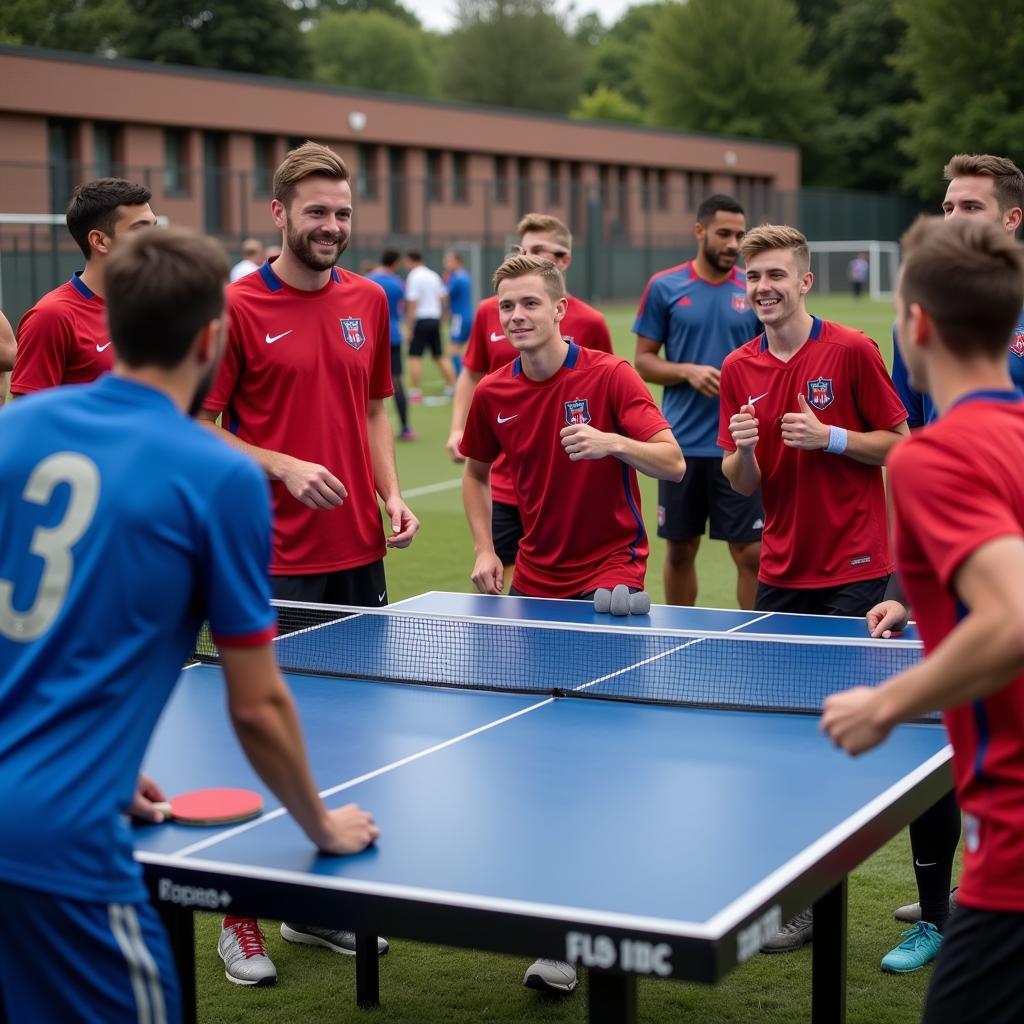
614 809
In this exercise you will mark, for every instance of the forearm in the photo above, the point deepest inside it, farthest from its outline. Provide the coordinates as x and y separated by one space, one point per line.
656 370
476 499
742 471
272 463
662 460
382 450
873 447
465 387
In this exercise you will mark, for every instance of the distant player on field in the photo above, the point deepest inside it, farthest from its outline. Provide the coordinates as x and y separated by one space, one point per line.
460 305
386 275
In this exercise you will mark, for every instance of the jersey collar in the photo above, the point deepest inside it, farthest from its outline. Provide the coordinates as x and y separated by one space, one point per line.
815 334
275 284
990 395
571 358
81 287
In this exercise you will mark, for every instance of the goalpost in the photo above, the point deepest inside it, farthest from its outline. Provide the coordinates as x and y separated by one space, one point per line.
830 263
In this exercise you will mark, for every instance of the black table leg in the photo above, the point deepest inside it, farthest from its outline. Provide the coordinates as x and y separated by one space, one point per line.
828 984
611 998
181 932
367 975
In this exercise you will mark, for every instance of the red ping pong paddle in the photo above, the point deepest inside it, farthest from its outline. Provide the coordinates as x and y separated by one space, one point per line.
212 807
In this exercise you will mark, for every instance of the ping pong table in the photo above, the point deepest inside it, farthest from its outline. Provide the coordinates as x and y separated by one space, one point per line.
645 837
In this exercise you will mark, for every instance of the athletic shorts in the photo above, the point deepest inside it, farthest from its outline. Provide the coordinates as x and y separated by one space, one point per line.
685 507
460 329
63 960
396 360
977 976
856 598
426 336
506 531
364 586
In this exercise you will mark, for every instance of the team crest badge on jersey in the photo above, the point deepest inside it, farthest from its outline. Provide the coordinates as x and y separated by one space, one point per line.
819 393
352 332
577 411
740 304
1017 345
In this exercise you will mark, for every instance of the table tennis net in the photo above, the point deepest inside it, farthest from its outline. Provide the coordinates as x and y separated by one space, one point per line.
750 671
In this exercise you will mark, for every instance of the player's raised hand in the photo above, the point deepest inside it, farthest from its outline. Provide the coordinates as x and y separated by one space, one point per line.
582 441
488 574
311 483
452 446
803 429
403 523
886 618
850 720
704 379
350 830
147 793
743 426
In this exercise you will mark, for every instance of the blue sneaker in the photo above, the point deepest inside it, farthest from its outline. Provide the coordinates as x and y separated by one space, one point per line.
919 947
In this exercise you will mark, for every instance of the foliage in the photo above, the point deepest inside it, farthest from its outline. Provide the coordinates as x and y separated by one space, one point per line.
317 9
605 104
614 62
87 26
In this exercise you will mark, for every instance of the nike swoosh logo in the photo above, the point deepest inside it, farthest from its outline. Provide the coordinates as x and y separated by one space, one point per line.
505 419
930 864
754 401
380 597
497 337
103 348
277 337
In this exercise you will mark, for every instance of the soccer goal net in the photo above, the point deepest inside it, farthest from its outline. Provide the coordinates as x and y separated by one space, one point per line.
837 265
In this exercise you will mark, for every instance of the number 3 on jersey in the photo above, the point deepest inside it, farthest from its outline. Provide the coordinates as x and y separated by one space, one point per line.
52 544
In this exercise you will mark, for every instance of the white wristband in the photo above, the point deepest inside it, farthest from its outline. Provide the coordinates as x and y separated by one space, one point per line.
837 440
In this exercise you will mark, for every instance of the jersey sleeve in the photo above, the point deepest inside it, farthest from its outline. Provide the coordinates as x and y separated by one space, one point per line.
876 397
651 315
729 403
381 384
599 337
230 368
479 440
913 401
635 410
44 337
475 356
941 501
236 560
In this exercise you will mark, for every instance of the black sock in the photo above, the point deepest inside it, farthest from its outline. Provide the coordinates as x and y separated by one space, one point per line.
933 839
400 402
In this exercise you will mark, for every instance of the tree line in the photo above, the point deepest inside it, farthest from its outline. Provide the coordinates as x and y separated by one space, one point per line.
877 93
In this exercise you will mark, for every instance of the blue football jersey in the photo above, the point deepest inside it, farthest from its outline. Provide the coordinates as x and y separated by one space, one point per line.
919 406
696 322
394 289
124 524
460 302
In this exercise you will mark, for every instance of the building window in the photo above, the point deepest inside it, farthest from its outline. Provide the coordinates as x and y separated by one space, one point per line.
555 182
60 152
106 150
175 161
460 186
501 179
662 188
603 191
366 183
524 190
263 164
435 183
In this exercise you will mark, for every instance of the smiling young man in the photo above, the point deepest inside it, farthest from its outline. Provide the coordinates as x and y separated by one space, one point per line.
958 503
809 414
698 313
302 389
575 426
63 338
488 349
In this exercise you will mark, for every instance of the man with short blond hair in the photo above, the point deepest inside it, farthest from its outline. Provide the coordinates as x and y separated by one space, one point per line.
489 349
301 389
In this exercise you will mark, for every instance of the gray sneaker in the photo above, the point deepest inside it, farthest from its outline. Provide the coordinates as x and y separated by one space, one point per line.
551 976
241 948
331 938
796 932
912 911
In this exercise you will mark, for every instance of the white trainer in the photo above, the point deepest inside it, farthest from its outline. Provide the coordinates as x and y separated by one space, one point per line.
551 976
245 958
331 938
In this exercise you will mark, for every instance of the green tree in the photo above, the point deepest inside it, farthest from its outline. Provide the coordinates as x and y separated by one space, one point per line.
605 104
258 36
86 26
869 93
318 8
738 69
512 53
616 60
965 61
371 51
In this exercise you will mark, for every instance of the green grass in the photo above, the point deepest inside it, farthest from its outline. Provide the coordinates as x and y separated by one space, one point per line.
421 983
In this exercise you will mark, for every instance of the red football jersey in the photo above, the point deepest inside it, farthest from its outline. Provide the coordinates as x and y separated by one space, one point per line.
62 339
582 523
825 518
299 371
488 349
956 485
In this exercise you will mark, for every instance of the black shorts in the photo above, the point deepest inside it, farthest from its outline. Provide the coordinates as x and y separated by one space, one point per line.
588 596
364 586
977 976
396 360
685 507
856 598
506 531
426 334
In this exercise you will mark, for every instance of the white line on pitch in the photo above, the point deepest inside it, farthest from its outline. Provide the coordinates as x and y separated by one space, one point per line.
444 485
